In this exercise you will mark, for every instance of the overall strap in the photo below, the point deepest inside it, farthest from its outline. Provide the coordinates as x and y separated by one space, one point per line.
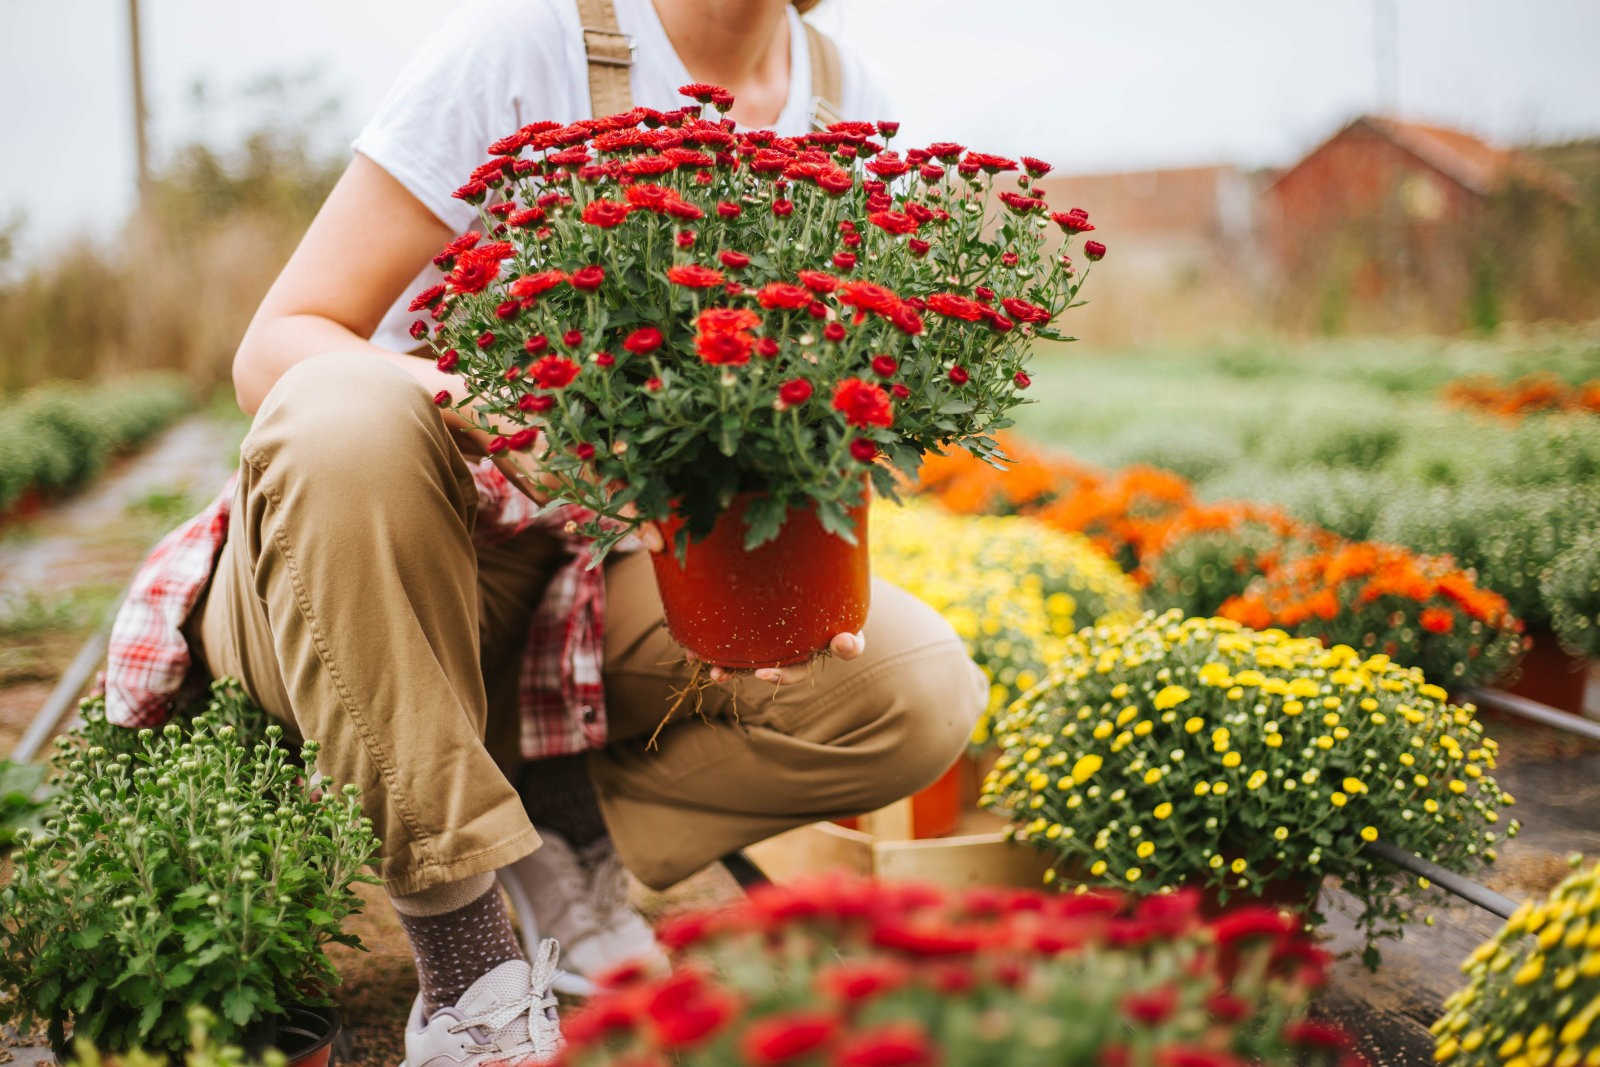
610 57
827 78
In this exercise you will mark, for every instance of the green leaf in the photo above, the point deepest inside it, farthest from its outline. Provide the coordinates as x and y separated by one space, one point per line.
763 518
239 1005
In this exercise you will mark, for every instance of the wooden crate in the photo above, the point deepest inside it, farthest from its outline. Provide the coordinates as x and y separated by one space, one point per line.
978 854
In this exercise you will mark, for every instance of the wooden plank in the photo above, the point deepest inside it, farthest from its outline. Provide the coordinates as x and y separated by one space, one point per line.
961 862
956 862
893 823
811 850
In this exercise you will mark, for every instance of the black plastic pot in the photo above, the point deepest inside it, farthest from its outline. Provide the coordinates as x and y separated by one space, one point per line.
304 1035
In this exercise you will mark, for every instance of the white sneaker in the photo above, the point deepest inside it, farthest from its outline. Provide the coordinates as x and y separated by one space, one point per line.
507 1015
628 938
581 901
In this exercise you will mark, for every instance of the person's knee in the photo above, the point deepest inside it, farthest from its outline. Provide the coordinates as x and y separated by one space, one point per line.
935 702
338 420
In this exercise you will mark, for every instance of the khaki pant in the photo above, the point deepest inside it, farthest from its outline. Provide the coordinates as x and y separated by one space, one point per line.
351 602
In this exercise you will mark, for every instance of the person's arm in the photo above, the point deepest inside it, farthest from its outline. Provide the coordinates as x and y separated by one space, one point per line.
367 243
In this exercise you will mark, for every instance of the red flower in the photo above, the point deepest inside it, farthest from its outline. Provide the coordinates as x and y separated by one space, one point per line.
782 295
572 338
1437 620
767 347
531 285
1072 221
1023 311
605 213
733 260
584 451
1227 1008
724 349
447 362
1181 1056
1094 250
989 164
1250 922
554 372
427 298
958 375
782 1038
728 209
694 276
704 92
485 339
906 320
884 366
834 331
794 392
1309 1032
419 330
955 306
588 277
643 341
684 239
477 267
473 192
918 247
783 208
818 281
900 390
948 151
536 344
890 1045
653 384
1019 204
844 260
523 439
1152 1008
726 320
535 403
1036 167
597 1020
1022 379
649 196
442 397
868 297
862 403
895 222
860 980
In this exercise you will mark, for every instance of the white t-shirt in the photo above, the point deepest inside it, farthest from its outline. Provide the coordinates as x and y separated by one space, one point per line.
497 65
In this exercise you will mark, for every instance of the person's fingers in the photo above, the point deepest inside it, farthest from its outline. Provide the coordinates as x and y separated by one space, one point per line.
650 534
848 646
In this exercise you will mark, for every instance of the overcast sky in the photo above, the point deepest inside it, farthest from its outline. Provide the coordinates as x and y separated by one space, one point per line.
1091 86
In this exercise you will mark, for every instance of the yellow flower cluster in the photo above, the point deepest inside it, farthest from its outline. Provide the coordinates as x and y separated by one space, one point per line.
1200 751
1013 588
1533 998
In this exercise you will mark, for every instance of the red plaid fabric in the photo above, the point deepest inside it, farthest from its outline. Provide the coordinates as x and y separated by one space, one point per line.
561 692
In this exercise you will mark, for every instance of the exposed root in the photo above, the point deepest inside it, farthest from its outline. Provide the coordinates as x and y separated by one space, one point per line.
695 688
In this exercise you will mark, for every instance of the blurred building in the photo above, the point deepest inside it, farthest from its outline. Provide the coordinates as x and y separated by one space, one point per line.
1404 215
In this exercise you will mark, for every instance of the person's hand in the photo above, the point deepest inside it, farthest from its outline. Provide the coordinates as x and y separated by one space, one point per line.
843 646
526 471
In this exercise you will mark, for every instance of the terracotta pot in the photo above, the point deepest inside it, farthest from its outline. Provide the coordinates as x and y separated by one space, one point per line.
776 605
1551 676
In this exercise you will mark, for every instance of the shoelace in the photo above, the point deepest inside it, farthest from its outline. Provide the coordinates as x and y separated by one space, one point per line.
544 1034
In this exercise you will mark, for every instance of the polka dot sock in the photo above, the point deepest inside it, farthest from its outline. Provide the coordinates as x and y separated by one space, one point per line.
455 948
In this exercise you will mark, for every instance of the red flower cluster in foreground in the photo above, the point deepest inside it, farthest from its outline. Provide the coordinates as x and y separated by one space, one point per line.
857 974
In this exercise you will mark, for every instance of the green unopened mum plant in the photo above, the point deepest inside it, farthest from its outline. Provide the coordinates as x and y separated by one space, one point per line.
1180 751
188 865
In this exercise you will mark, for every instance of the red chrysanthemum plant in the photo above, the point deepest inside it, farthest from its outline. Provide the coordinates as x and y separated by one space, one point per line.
664 311
857 974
